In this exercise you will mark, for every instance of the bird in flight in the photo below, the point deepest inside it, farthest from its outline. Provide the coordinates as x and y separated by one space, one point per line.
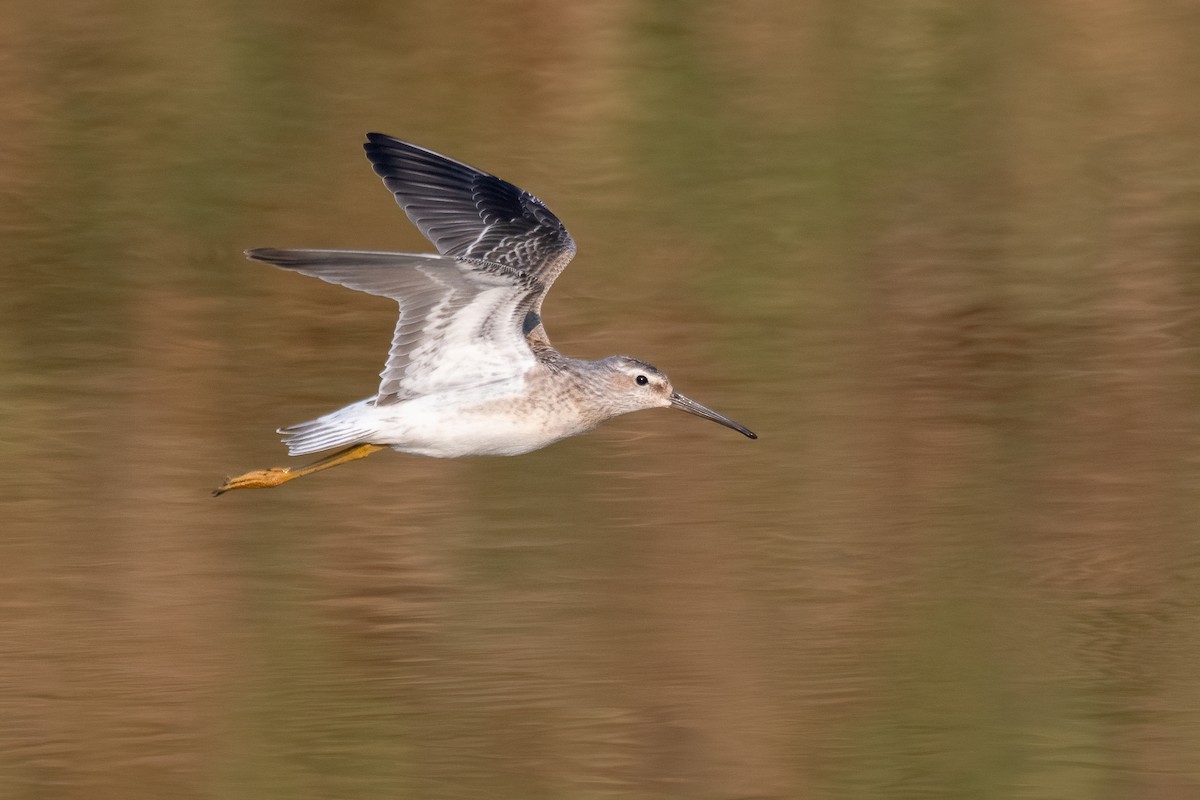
470 370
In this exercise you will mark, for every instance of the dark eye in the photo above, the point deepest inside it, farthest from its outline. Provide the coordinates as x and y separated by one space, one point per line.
642 380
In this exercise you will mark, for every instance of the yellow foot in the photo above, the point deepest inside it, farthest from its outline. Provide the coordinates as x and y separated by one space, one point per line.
258 479
267 478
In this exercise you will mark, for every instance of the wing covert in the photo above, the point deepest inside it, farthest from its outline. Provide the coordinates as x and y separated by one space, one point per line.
460 321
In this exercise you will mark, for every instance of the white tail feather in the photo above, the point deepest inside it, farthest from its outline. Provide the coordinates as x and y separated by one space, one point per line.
340 428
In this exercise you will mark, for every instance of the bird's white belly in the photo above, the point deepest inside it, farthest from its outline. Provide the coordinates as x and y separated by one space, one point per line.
451 425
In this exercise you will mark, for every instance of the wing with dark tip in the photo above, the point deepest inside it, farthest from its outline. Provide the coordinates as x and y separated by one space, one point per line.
460 321
468 213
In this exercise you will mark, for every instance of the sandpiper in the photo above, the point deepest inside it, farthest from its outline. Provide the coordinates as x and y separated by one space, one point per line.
471 370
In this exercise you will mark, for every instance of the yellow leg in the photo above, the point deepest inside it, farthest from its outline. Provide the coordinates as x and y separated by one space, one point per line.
268 478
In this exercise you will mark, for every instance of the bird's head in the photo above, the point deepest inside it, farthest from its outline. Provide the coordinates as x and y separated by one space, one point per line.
632 385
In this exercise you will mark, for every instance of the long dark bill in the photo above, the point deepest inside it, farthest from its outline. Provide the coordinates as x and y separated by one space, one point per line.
692 407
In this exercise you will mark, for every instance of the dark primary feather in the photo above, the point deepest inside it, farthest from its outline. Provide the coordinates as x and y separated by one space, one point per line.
468 213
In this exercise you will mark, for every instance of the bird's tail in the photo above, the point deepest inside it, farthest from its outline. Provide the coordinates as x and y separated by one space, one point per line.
337 429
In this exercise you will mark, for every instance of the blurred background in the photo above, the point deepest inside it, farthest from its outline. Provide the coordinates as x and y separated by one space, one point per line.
941 254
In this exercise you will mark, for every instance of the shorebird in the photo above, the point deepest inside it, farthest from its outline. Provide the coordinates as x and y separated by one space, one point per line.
471 370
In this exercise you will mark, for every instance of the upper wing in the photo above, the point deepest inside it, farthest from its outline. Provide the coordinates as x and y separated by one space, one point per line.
460 321
468 213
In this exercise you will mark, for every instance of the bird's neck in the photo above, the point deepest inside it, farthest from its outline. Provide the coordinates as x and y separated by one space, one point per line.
579 383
